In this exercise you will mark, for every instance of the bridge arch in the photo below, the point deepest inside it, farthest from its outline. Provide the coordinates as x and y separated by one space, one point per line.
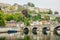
56 29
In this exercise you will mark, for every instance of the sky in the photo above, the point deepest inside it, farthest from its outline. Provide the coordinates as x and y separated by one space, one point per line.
52 4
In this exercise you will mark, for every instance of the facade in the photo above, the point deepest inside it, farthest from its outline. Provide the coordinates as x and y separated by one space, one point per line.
14 24
11 24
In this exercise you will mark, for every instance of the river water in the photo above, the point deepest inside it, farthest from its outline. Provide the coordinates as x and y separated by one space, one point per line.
40 36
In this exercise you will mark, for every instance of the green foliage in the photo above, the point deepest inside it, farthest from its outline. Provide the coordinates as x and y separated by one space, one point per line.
46 18
50 12
39 17
56 12
30 12
36 18
18 17
2 23
27 38
57 18
2 20
9 17
31 4
2 38
25 16
26 22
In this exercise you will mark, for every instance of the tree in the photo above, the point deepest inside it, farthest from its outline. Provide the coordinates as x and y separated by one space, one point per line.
50 12
46 17
36 17
19 17
25 12
39 17
57 18
2 20
56 12
9 17
26 22
31 4
0 8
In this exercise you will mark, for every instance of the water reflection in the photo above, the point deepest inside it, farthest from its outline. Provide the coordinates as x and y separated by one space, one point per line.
56 37
14 36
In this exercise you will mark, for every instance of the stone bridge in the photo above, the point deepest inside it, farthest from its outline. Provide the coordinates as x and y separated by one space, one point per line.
35 31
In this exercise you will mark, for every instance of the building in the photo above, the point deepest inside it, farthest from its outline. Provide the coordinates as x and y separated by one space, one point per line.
11 24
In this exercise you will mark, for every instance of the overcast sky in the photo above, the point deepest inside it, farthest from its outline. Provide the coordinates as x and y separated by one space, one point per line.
53 4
